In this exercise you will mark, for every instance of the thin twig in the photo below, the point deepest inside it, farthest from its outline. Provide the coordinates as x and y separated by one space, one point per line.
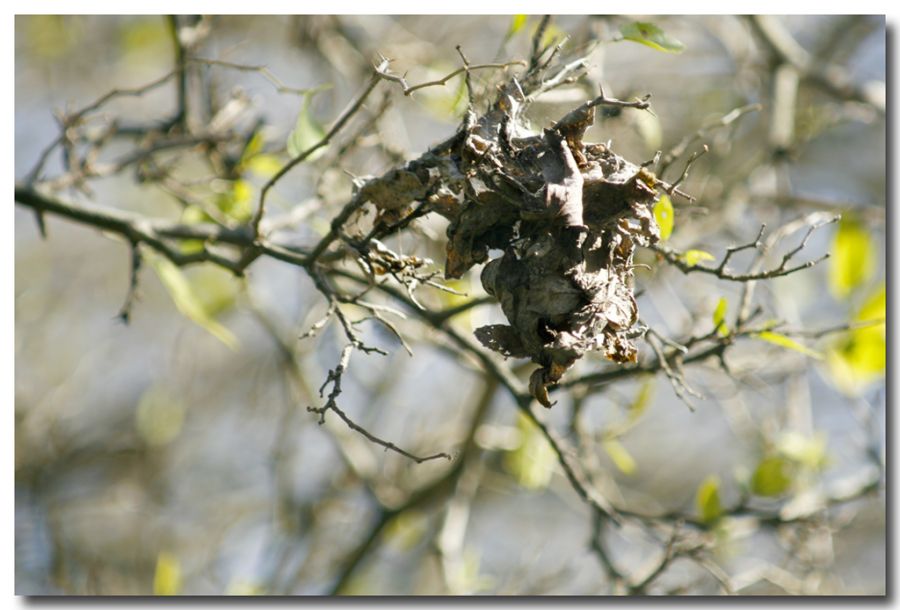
334 378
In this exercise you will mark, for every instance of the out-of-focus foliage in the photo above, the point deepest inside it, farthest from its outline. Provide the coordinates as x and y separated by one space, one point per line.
852 257
709 504
197 305
532 462
167 579
651 35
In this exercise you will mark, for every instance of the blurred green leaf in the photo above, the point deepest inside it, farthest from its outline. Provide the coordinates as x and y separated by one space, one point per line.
852 260
859 357
533 461
445 103
783 341
145 34
643 399
167 577
664 214
407 529
237 201
692 257
874 308
186 301
51 37
516 24
159 416
709 505
808 451
216 288
719 316
253 147
255 160
244 588
307 131
619 455
772 477
651 35
649 127
264 165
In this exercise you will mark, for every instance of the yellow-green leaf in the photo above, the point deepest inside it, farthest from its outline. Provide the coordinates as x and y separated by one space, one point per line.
651 35
253 147
692 257
709 505
264 165
860 356
159 416
167 577
719 316
620 456
407 529
446 103
517 23
642 400
772 477
806 450
533 461
852 260
664 214
243 588
783 341
186 301
307 131
874 308
237 201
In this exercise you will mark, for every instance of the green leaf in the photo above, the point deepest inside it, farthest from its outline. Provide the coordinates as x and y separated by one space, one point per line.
783 341
664 214
772 477
236 198
446 103
244 588
860 356
533 461
692 257
407 529
167 577
643 399
874 308
651 35
187 302
264 165
852 260
619 455
253 148
159 416
709 506
307 132
517 23
806 450
719 316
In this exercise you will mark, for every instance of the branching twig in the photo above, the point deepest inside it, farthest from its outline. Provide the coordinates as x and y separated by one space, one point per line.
334 378
345 116
408 89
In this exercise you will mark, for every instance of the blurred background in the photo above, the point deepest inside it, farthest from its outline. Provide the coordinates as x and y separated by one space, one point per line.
171 456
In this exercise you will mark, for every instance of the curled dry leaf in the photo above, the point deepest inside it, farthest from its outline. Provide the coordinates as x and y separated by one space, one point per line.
567 216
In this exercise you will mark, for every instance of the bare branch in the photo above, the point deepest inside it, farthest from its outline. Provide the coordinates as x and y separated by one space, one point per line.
334 378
